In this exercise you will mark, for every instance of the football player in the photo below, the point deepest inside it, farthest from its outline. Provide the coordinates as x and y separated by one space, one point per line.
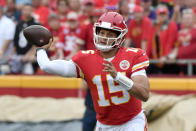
115 75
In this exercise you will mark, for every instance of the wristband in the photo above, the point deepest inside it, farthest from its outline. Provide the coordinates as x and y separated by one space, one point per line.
124 81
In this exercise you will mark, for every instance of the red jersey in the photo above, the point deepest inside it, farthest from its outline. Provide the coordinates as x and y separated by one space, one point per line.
138 32
163 40
55 34
184 35
87 36
41 14
84 19
63 22
68 40
63 19
113 103
103 3
188 51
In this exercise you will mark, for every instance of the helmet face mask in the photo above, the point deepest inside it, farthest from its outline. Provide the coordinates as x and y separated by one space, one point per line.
112 22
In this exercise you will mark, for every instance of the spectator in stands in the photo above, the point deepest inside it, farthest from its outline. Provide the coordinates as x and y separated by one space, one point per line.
187 25
68 43
24 51
179 6
75 5
88 6
55 28
186 45
11 11
62 10
7 29
20 3
191 4
139 30
40 12
124 10
149 11
86 37
53 5
163 40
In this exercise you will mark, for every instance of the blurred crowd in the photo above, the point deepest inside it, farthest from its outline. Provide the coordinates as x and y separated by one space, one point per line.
165 29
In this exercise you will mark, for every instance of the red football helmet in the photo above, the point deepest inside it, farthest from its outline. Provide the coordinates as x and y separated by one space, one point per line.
110 21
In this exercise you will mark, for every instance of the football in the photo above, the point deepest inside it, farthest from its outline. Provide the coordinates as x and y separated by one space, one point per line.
37 35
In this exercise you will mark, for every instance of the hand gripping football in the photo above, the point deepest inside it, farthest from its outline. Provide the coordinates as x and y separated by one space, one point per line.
37 35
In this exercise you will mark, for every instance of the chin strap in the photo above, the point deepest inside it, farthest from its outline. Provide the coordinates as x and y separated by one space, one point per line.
124 81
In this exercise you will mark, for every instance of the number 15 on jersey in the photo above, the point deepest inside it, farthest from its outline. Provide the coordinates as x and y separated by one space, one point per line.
103 101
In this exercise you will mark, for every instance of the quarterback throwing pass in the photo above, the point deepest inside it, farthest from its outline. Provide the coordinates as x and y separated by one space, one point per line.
115 75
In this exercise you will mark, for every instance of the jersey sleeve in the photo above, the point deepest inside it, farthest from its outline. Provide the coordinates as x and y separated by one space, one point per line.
77 58
140 61
58 67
